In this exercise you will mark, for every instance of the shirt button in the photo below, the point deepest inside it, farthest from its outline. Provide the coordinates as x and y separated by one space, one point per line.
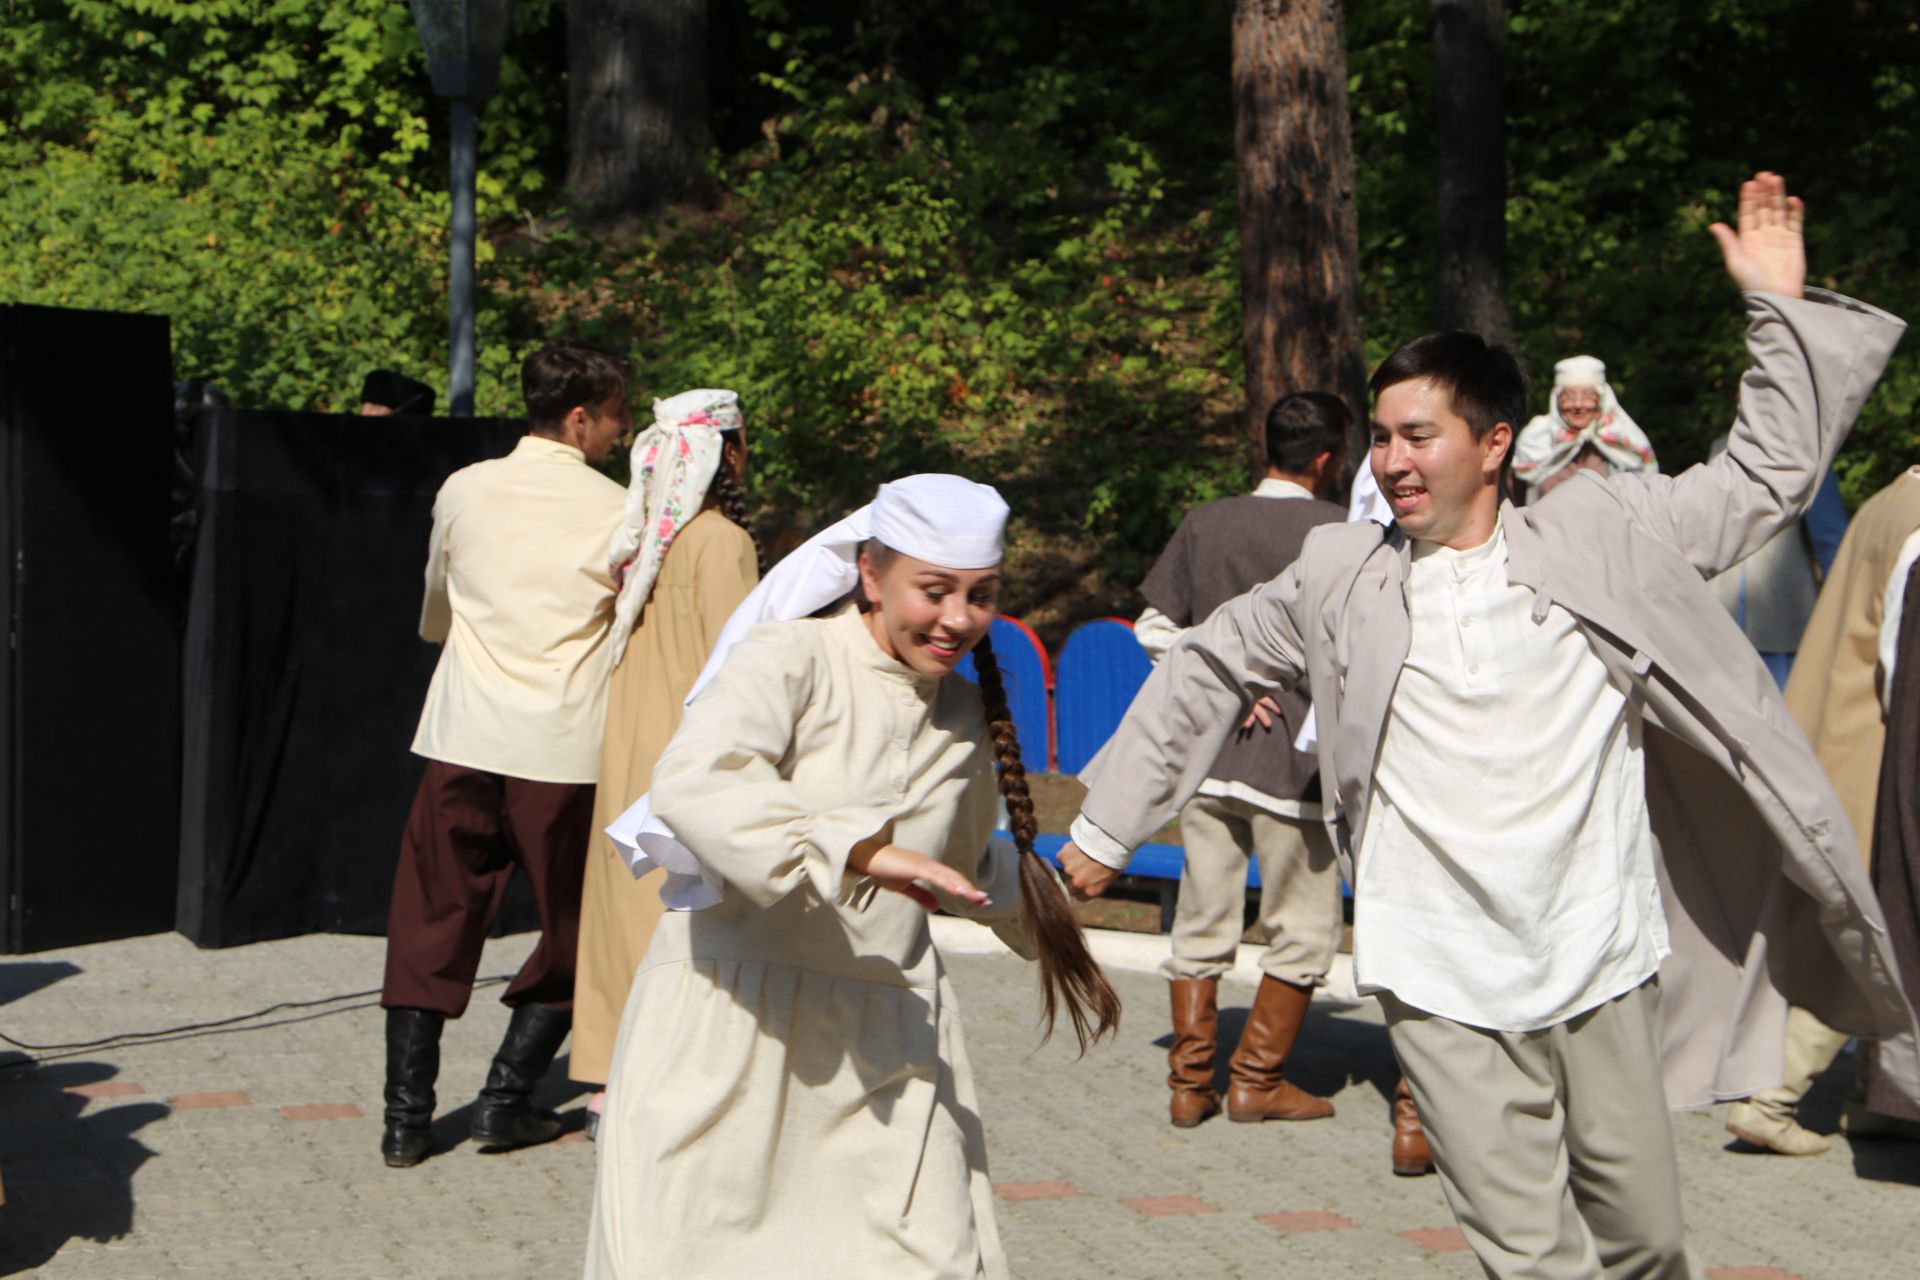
1473 669
1466 622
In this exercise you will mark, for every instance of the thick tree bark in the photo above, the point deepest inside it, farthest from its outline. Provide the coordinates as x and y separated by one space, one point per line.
1299 236
637 112
1471 290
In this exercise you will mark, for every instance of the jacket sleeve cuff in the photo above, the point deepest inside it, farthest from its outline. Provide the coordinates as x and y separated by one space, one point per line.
1098 845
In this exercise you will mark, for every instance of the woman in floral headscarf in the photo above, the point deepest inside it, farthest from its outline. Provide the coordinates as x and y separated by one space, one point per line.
684 558
1584 427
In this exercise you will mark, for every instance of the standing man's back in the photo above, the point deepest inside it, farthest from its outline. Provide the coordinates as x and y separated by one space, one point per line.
520 596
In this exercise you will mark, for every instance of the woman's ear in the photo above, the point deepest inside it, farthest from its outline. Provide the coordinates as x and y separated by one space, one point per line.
869 579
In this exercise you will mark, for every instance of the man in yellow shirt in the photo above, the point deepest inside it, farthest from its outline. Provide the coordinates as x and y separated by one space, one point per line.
519 596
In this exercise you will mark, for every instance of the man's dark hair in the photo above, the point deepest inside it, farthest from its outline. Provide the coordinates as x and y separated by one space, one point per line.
1488 385
561 375
1304 425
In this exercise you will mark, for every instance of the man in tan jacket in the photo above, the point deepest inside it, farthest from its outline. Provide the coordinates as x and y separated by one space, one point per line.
519 596
1554 762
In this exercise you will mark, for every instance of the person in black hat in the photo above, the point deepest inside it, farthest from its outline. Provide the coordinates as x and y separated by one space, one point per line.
386 392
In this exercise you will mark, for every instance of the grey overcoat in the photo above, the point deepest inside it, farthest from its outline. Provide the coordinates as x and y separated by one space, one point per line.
1767 902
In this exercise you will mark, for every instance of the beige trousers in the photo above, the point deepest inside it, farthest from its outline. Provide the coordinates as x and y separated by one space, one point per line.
1812 1046
1553 1147
1300 914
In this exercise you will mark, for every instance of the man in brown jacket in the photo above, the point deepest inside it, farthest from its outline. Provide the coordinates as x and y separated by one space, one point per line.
1557 763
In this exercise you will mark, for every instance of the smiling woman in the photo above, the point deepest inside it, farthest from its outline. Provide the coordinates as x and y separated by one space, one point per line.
794 1042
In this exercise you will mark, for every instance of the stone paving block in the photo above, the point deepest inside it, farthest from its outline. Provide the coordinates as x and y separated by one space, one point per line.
1168 1206
321 1111
1436 1239
1036 1190
1300 1221
209 1101
105 1089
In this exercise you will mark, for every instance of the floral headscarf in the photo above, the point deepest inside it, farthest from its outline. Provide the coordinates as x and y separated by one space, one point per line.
1548 443
674 462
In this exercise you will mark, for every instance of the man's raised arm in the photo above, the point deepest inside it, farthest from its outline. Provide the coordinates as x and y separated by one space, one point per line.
1202 690
1815 357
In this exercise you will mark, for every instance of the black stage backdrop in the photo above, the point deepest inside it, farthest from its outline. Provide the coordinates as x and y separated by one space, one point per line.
304 670
89 692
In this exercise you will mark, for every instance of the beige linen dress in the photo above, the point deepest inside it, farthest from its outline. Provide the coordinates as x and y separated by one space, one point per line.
707 572
790 1093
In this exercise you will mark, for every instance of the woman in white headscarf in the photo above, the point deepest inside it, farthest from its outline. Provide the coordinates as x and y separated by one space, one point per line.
684 560
791 1096
1584 427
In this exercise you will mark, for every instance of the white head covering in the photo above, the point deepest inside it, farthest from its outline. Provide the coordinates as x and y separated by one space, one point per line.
674 462
945 520
1548 443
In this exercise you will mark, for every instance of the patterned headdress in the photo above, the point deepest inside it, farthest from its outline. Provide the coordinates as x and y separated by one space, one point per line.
1548 443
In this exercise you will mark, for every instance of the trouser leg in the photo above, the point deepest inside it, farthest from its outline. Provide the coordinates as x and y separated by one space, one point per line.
1300 913
1624 1177
1491 1106
1208 921
453 870
550 824
1811 1048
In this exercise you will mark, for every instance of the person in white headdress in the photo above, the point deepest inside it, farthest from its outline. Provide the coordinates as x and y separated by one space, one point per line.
685 559
1584 427
790 1093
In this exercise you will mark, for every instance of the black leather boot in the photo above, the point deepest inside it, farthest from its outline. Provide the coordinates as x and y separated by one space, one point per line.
504 1117
413 1063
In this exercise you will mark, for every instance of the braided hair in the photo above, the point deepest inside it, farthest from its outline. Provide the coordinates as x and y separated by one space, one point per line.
726 493
1069 975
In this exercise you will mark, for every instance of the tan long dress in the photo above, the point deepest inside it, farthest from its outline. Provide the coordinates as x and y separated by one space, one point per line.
707 572
791 1096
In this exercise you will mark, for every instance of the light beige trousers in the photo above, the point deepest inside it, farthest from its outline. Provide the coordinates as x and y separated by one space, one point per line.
1812 1046
1300 916
1553 1147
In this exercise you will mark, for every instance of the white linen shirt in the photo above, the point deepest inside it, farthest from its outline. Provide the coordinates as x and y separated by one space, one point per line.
519 594
1506 875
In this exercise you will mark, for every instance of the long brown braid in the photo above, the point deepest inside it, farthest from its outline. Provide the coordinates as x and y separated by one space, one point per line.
725 491
1069 974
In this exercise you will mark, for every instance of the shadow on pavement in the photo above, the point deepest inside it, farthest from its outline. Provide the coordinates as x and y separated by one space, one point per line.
25 977
69 1161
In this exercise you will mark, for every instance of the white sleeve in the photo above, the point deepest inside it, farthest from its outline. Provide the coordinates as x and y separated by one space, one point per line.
1156 633
1892 600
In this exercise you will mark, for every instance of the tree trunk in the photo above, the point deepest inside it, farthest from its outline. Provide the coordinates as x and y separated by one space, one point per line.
1471 289
1299 237
637 114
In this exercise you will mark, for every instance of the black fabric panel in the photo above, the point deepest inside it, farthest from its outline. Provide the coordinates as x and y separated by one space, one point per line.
304 671
90 696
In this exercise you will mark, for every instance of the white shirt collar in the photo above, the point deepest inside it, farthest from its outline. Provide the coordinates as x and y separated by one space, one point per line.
1273 487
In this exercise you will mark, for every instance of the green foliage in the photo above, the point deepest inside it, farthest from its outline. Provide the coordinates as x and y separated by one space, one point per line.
998 238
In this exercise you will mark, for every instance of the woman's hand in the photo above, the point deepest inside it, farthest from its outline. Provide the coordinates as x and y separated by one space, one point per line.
913 874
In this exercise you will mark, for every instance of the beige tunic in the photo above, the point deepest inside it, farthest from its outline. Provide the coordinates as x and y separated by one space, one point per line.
790 1094
708 571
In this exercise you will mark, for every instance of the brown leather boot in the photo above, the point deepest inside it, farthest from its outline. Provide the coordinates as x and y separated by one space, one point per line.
1259 1090
1411 1155
1196 1025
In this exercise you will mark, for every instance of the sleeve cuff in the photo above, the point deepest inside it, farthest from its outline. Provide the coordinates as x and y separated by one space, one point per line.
1098 845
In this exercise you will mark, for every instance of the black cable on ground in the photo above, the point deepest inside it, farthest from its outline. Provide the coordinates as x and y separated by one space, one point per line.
191 1027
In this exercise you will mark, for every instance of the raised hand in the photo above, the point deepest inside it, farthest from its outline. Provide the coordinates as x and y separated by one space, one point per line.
1767 254
1085 877
911 874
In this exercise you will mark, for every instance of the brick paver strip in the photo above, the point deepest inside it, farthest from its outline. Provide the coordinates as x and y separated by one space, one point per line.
321 1111
208 1101
1168 1206
575 1136
1301 1220
1750 1273
105 1089
1437 1239
1036 1190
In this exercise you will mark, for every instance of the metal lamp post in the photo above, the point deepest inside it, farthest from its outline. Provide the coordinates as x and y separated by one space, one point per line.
464 40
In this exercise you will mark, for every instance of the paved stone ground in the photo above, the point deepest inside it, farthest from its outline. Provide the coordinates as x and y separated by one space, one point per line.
250 1150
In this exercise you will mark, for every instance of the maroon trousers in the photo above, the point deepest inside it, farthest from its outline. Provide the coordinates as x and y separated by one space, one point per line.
466 834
